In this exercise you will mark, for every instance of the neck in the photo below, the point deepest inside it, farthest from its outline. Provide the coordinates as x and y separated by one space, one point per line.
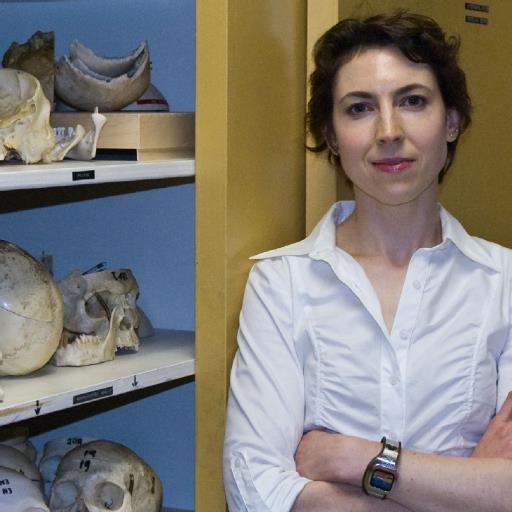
392 232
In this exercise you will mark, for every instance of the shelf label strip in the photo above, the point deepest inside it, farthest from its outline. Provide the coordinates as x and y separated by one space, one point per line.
93 395
84 175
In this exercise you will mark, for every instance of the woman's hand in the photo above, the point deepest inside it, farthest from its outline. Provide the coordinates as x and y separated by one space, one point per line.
331 457
497 439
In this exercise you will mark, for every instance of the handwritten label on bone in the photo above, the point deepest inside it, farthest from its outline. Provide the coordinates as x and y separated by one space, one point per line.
5 486
70 441
85 463
93 395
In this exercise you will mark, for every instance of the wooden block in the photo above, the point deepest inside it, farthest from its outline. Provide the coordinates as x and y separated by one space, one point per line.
154 135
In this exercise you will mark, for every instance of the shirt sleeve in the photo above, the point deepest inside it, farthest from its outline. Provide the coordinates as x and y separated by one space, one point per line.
265 414
505 361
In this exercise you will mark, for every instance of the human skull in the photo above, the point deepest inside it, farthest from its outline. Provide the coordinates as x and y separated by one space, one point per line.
19 494
100 316
31 312
53 451
18 437
14 459
103 475
85 80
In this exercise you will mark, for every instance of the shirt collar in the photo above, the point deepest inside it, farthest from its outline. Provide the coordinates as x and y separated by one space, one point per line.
322 239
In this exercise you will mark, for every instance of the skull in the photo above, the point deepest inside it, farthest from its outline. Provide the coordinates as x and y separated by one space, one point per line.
25 129
103 475
19 494
17 437
31 312
53 452
24 117
17 461
100 316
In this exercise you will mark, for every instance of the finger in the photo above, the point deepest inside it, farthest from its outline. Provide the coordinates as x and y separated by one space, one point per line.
505 412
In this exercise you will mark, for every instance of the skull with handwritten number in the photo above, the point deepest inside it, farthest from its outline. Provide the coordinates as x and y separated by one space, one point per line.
19 494
53 451
103 475
100 316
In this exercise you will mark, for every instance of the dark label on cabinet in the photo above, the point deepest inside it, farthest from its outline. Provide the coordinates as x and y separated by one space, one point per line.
93 395
470 6
477 20
84 175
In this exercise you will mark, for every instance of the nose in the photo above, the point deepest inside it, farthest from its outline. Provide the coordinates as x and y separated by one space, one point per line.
389 127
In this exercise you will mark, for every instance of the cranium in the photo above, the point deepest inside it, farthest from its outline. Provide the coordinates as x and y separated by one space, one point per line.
18 437
25 130
103 475
17 461
31 312
85 80
19 494
53 452
100 316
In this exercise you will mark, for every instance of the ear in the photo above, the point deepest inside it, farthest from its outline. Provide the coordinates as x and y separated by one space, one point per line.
452 125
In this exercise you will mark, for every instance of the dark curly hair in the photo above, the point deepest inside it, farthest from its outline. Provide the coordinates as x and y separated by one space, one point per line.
418 37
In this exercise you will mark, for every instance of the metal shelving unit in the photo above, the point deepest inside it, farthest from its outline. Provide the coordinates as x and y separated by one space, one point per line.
69 172
166 356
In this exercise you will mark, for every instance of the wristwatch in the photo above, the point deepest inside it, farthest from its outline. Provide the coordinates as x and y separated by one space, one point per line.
382 472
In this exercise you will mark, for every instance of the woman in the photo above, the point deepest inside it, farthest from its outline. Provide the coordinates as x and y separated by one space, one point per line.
374 354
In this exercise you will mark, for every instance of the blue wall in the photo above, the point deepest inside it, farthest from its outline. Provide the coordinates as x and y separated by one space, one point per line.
149 230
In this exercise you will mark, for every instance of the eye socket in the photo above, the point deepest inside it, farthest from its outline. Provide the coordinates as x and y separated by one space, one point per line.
108 496
64 494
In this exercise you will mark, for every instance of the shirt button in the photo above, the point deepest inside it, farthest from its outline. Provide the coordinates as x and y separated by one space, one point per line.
393 380
404 334
416 284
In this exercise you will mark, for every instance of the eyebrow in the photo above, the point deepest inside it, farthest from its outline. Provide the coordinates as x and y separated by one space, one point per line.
402 90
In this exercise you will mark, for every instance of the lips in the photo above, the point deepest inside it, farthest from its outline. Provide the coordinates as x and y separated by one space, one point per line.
393 165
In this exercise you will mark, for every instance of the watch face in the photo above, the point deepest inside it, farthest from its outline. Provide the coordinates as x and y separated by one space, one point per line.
382 480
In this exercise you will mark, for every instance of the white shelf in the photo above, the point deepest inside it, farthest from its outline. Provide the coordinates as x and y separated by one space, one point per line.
166 356
70 172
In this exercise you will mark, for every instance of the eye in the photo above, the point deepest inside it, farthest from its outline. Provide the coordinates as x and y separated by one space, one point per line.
414 101
358 109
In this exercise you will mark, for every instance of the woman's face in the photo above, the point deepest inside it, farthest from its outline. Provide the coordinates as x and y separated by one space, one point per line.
390 126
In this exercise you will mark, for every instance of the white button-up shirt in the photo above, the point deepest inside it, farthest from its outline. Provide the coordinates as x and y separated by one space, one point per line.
315 353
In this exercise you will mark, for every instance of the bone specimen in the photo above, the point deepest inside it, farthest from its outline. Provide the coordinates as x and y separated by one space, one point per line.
103 475
37 57
31 312
100 316
85 80
25 130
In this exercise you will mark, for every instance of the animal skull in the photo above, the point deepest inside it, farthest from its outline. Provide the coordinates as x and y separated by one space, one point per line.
53 451
19 494
103 475
24 115
100 316
25 129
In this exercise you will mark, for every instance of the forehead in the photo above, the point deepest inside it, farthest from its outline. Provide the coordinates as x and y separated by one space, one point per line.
380 69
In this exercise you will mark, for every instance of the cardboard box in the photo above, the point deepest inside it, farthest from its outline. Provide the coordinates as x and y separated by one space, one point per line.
154 135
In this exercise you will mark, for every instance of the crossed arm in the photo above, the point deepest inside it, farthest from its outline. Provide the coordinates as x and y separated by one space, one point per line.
427 483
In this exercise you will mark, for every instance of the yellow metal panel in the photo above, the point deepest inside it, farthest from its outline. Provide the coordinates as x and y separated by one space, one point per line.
250 185
321 178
